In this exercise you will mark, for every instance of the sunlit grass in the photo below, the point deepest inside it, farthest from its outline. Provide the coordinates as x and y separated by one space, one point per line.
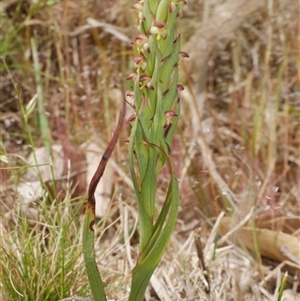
42 260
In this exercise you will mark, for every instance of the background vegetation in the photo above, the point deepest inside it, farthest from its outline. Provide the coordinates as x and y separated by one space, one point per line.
236 149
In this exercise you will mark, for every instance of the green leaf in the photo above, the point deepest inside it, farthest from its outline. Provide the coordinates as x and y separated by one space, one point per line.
154 251
89 256
162 11
144 220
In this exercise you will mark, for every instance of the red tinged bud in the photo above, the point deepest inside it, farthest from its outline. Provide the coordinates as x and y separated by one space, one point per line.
140 40
138 59
140 63
159 24
146 82
170 113
141 37
132 118
183 54
131 76
130 94
145 78
159 29
180 88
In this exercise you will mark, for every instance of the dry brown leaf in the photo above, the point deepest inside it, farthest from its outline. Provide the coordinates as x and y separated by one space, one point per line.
275 245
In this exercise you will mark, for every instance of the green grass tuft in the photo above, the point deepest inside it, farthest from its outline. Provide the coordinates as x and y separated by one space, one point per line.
43 260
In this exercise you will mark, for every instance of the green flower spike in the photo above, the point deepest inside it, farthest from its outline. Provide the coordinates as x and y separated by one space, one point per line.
156 93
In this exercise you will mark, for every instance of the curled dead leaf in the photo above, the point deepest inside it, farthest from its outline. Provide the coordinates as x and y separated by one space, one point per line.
274 245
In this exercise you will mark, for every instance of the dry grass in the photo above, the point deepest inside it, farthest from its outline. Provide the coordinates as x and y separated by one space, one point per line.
236 149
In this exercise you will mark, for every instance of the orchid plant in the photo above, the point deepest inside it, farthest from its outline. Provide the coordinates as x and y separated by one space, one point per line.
156 103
